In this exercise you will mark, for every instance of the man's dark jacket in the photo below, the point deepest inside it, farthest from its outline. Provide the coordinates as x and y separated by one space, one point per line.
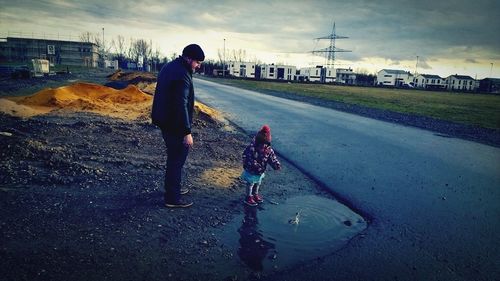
174 98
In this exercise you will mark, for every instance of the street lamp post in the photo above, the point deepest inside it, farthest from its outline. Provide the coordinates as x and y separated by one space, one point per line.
103 39
224 60
416 67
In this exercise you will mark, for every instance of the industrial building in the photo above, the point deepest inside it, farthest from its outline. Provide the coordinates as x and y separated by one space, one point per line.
57 52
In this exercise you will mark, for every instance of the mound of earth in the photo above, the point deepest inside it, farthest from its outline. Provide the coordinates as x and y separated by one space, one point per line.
146 81
128 103
92 95
120 75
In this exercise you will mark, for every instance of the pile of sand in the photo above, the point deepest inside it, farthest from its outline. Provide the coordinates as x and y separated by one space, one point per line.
129 103
212 113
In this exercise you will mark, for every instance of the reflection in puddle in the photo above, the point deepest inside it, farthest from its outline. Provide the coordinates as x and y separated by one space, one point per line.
253 248
299 229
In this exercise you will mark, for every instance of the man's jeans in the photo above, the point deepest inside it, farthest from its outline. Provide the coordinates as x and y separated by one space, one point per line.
177 153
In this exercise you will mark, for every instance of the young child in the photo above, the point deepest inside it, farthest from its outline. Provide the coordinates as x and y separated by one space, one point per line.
256 156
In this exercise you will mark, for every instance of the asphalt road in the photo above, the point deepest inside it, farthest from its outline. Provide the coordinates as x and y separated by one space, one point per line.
433 201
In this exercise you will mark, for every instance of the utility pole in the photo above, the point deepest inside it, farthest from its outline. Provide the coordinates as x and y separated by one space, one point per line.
416 67
224 60
103 40
491 70
102 50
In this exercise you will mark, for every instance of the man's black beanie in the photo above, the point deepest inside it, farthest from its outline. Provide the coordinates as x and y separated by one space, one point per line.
194 52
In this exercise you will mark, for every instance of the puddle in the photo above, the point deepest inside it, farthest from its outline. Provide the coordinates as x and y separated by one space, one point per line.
266 238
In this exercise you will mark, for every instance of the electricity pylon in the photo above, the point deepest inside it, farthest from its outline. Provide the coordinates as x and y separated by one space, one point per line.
331 50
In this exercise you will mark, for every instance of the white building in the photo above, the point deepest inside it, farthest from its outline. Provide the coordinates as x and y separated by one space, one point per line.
393 77
429 81
460 82
345 76
242 69
278 72
113 64
317 74
310 74
329 74
268 71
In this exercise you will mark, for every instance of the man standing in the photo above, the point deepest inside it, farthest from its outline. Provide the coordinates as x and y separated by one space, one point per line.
172 111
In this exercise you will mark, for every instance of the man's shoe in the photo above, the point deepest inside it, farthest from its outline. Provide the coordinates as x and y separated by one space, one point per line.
184 191
258 198
178 204
250 201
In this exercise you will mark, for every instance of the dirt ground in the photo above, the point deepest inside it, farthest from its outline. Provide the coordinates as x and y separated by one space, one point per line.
81 197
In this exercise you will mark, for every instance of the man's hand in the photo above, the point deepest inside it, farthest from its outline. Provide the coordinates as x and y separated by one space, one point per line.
188 140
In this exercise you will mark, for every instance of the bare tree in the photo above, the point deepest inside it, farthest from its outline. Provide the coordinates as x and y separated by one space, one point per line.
220 53
95 38
238 55
140 49
242 55
130 52
155 58
119 46
86 37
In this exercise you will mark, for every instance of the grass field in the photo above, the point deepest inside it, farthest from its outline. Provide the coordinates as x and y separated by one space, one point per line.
467 108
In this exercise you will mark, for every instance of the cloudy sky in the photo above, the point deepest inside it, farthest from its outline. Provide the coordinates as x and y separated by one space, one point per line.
449 37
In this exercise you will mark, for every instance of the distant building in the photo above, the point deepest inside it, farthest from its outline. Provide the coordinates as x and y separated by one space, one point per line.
460 83
490 85
317 74
328 75
242 69
429 81
310 74
57 52
345 76
392 77
113 64
278 72
268 71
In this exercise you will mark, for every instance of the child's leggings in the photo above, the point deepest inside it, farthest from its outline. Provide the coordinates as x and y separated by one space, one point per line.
253 189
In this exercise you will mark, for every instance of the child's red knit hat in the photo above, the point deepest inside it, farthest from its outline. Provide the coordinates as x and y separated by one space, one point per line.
265 133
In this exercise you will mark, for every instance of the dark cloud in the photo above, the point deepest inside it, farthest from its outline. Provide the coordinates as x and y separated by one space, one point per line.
392 29
469 60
